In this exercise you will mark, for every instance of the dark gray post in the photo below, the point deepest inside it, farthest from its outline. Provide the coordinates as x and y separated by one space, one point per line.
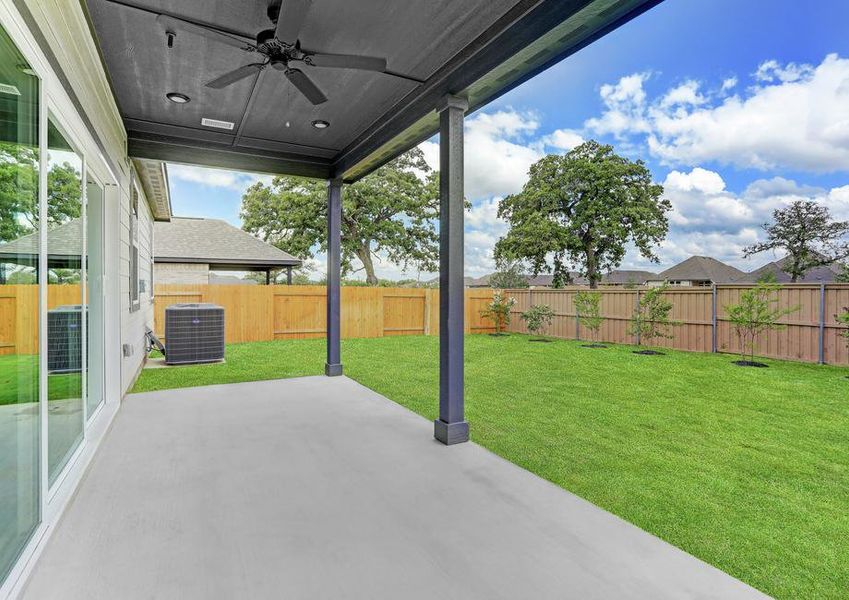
289 275
268 277
822 323
333 366
2 273
713 319
451 427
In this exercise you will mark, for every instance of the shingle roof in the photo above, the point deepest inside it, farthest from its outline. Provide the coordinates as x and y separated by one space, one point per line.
214 242
825 274
64 244
700 268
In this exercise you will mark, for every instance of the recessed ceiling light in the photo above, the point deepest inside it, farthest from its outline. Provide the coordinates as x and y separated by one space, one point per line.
319 124
178 98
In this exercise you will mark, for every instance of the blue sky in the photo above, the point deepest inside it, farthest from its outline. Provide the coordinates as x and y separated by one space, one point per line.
737 108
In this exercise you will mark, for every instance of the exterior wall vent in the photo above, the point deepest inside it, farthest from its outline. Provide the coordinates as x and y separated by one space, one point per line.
194 333
216 123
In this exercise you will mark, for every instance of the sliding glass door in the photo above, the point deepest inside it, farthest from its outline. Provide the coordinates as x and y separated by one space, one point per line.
94 295
20 421
66 313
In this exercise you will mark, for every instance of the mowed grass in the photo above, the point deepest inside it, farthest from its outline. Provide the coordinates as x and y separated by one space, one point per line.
19 381
748 469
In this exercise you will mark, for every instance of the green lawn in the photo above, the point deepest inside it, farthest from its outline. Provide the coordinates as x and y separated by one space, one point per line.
19 376
745 468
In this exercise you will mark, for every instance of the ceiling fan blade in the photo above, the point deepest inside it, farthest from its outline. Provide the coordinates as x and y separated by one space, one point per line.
234 76
292 15
173 24
306 86
346 61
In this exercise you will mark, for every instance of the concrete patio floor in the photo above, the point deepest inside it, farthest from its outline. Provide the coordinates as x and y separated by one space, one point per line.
320 488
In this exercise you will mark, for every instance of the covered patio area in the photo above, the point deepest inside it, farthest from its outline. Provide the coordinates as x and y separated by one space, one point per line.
318 487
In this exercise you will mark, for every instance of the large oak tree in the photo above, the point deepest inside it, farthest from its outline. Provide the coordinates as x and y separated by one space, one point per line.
391 213
581 209
804 230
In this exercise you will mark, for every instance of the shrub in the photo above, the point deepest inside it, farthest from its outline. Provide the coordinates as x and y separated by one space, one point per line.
651 316
538 317
499 311
588 307
756 312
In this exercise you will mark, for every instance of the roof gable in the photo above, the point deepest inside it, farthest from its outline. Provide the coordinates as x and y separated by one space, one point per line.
214 242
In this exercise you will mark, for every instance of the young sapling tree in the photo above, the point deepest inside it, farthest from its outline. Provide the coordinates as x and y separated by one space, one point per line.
588 308
757 312
537 319
651 318
499 311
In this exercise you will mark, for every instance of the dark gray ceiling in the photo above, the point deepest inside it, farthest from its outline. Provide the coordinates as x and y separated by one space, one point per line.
452 46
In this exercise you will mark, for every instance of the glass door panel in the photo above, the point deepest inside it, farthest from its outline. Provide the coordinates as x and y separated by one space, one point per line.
20 421
65 307
94 295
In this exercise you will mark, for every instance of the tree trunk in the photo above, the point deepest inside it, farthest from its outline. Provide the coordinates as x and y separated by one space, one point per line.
592 267
364 254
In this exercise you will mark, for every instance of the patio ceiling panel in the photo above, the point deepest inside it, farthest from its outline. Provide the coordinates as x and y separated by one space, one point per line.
475 48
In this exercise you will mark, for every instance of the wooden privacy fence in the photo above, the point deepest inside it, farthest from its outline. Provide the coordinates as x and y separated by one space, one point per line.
261 312
19 314
811 334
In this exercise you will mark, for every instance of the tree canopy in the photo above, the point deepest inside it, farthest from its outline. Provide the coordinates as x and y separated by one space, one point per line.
19 192
581 209
391 212
804 230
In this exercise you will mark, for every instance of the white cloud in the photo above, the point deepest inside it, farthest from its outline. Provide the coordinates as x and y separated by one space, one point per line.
686 94
729 84
624 107
499 150
218 178
796 116
563 139
771 70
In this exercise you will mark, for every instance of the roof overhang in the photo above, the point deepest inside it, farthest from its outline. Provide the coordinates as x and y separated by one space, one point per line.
234 264
153 176
521 38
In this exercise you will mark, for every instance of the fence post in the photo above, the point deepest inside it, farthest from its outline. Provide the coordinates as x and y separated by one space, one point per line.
822 323
577 319
637 331
530 296
713 319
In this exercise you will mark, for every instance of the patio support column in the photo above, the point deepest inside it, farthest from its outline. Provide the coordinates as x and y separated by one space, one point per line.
333 366
288 275
451 427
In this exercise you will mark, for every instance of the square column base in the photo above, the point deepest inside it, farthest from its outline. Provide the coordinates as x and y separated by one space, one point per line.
332 370
451 433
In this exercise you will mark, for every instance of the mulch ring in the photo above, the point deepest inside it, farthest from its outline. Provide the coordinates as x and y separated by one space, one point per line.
750 363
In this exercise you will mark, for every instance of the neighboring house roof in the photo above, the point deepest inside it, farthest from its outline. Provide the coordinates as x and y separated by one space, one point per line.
625 276
64 244
700 268
824 274
216 243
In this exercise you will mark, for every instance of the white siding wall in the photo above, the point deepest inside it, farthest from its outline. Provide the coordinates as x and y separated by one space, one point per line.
135 321
65 29
188 273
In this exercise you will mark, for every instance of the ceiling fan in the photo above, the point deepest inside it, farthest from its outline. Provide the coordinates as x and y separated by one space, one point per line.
279 48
